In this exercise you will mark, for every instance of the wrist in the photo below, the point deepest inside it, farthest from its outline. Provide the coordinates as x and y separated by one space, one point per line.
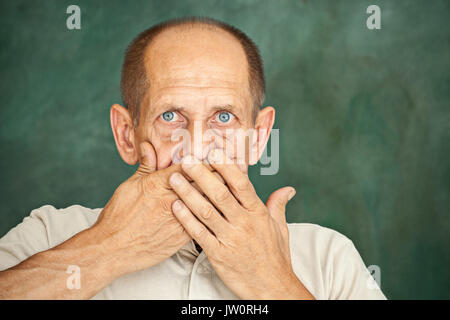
92 253
288 287
109 262
78 268
295 290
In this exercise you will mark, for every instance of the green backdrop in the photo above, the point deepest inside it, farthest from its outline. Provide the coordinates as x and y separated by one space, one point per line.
363 117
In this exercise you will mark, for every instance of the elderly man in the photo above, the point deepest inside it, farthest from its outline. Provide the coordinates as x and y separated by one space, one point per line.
188 224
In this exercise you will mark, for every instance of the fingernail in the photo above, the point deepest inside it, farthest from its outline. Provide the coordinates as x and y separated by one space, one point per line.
291 194
215 156
176 205
188 162
175 179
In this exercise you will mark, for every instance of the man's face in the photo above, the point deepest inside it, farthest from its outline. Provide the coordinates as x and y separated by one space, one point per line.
198 85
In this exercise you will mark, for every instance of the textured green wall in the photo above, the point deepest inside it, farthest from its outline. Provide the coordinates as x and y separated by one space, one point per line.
363 117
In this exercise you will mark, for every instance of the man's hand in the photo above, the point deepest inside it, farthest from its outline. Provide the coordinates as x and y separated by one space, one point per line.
246 241
138 220
135 230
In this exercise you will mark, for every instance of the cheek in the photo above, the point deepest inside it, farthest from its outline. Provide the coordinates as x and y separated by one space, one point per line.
164 131
163 145
168 152
238 143
164 151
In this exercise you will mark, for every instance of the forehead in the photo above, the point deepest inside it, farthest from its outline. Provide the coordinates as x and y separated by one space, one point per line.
197 61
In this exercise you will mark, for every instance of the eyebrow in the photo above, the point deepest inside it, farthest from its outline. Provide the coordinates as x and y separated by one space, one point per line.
226 107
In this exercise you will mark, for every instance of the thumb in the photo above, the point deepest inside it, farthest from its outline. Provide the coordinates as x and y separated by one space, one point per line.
276 203
147 162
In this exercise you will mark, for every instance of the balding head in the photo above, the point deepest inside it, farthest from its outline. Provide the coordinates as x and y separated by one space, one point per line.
198 79
174 43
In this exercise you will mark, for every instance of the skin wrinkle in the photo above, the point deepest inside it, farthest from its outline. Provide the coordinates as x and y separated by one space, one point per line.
187 76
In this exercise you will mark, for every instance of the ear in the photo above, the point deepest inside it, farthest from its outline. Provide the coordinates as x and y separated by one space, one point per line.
263 125
123 131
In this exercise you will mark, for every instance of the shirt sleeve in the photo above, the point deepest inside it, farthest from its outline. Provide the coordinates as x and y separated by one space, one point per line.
21 242
43 229
351 278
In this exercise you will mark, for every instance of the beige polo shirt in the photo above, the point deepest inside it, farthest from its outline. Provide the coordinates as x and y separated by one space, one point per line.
325 261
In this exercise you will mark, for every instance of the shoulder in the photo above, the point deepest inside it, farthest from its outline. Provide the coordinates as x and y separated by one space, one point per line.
44 228
315 251
61 224
328 263
70 218
314 235
317 246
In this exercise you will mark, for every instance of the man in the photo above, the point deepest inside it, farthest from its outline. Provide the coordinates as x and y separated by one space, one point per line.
189 230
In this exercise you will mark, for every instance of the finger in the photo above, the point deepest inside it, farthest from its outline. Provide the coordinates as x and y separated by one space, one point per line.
208 166
198 205
194 227
147 162
218 176
237 181
277 201
215 190
164 175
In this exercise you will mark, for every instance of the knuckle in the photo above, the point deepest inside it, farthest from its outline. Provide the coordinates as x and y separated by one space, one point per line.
247 228
280 204
234 239
207 211
241 223
200 232
222 195
256 206
242 184
149 184
166 206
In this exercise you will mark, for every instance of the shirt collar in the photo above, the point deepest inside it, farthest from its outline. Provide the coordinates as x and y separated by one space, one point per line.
190 250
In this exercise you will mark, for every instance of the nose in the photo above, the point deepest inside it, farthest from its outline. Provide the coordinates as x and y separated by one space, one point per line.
196 140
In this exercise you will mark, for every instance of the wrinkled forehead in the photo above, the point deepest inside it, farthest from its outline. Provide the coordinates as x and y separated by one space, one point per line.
196 58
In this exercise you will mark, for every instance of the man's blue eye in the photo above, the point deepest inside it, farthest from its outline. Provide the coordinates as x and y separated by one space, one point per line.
224 117
168 116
